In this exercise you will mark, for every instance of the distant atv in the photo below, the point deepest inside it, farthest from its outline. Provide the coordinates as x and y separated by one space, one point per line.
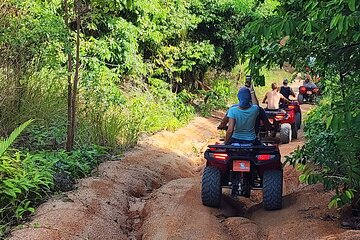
307 94
286 121
294 117
242 168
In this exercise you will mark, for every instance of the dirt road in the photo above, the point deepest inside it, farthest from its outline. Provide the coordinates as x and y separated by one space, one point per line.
153 192
175 212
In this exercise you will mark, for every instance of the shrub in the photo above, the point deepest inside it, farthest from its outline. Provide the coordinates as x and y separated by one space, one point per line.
331 154
27 178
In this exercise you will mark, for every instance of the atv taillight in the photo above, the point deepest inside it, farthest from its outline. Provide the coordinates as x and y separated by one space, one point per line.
279 117
291 107
264 157
220 156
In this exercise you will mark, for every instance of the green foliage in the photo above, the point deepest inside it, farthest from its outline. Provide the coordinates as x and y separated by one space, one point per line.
125 46
322 35
23 177
221 24
6 143
27 178
78 163
218 97
142 70
326 31
331 153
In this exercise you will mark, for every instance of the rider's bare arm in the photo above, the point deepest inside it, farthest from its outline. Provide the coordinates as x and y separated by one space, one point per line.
230 130
224 122
264 98
284 99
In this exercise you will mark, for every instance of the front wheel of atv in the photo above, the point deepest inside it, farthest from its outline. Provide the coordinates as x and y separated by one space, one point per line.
300 98
272 189
285 133
211 187
298 119
294 131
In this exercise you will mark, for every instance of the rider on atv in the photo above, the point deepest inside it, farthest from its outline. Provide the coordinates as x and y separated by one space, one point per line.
244 163
244 120
308 84
273 98
254 101
286 90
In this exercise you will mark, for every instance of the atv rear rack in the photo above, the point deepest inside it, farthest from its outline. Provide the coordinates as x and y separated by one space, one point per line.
244 146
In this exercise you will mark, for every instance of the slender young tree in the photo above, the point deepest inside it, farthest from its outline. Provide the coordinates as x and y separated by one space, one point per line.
76 77
73 85
69 143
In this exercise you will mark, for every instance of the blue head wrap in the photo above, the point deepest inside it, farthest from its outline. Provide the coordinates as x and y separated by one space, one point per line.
244 97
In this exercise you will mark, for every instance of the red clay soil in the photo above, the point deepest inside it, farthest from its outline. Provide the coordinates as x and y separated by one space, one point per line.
154 193
108 205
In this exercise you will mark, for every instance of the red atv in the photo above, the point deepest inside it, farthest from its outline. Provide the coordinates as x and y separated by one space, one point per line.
242 168
286 121
307 94
293 111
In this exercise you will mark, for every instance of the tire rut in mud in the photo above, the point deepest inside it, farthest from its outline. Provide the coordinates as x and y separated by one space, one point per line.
110 205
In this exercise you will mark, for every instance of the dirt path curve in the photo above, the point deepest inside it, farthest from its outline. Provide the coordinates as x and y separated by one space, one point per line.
154 193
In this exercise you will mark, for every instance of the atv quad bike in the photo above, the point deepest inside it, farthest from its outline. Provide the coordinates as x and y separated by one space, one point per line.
276 118
242 168
294 117
307 94
286 121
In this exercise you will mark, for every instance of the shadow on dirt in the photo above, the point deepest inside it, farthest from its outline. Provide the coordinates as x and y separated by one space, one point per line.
231 207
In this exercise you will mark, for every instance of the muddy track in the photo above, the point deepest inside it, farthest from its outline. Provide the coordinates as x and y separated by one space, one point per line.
153 192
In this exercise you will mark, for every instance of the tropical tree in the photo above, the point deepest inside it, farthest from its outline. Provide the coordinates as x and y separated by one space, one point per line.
324 37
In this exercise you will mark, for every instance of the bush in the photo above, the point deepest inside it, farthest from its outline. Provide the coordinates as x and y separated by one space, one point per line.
28 178
331 154
218 96
25 179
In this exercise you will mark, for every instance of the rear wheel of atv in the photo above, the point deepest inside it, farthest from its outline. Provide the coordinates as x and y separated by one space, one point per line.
298 120
272 189
294 131
300 98
285 133
211 187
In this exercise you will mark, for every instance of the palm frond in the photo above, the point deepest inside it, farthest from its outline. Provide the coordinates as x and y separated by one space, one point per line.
6 143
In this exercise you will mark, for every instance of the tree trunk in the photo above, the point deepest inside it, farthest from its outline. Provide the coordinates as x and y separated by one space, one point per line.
76 77
69 139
